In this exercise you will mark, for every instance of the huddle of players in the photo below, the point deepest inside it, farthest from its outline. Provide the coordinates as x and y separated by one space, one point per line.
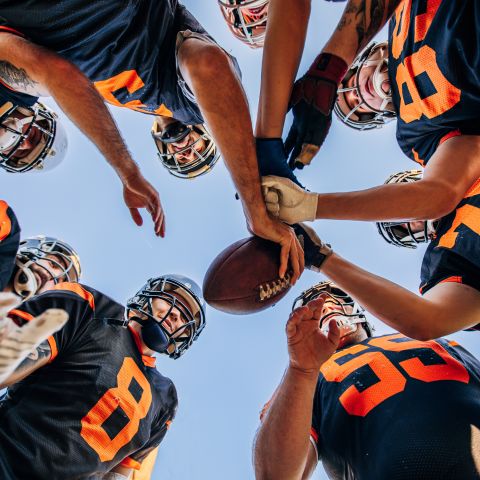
368 378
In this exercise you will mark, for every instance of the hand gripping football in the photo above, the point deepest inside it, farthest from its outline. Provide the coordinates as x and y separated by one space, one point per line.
244 279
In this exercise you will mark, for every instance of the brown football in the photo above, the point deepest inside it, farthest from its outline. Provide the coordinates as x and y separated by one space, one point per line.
244 279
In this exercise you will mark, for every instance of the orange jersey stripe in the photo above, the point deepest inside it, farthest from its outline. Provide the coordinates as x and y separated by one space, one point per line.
5 222
20 313
77 289
130 463
452 280
448 136
53 348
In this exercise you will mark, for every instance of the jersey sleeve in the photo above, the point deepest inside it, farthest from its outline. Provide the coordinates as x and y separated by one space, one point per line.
316 421
9 241
78 308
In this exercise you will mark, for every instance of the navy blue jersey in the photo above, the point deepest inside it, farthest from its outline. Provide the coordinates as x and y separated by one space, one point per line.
9 242
434 68
453 255
98 403
126 47
399 409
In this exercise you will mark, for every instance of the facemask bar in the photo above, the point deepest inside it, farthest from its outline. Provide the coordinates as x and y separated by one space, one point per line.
375 118
347 321
57 253
401 234
39 118
141 305
203 161
239 19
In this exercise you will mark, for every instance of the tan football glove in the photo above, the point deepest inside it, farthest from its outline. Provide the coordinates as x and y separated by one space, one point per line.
287 201
16 343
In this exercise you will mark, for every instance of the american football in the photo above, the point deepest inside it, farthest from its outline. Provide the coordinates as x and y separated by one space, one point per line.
243 278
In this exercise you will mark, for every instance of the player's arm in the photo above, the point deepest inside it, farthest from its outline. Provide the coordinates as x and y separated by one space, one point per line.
29 68
444 309
313 95
282 447
35 360
442 187
283 47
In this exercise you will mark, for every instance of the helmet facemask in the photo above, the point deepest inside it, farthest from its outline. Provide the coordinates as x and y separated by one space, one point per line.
157 333
42 257
363 115
246 19
403 234
343 309
200 146
37 125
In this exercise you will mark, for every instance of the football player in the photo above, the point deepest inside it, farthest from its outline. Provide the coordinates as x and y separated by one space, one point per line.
91 402
152 57
450 287
185 151
27 268
345 398
31 138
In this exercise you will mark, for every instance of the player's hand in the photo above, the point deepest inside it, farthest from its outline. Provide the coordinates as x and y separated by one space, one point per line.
312 100
308 346
138 193
316 252
291 250
8 301
287 201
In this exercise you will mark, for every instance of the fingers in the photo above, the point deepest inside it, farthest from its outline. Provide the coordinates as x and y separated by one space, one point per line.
301 255
333 333
8 301
137 218
272 202
284 254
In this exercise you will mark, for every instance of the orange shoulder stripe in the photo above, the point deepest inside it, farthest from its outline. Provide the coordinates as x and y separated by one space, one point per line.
5 222
11 30
78 290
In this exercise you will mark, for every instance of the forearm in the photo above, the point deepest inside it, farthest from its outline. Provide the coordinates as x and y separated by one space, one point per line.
360 22
421 200
33 68
84 106
282 442
396 306
281 57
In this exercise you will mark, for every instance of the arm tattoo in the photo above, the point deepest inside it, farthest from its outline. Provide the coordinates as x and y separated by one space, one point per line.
36 359
368 16
15 77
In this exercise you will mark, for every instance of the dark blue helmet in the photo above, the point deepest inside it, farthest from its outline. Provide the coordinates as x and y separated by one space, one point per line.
178 292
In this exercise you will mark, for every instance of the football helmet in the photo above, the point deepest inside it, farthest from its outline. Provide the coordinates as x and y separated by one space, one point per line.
31 138
246 19
186 151
31 273
402 234
180 293
362 115
345 310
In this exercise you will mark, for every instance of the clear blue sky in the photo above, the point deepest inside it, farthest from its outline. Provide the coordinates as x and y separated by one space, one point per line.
231 371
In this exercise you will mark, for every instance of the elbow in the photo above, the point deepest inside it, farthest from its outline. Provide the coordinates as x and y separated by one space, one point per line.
440 199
